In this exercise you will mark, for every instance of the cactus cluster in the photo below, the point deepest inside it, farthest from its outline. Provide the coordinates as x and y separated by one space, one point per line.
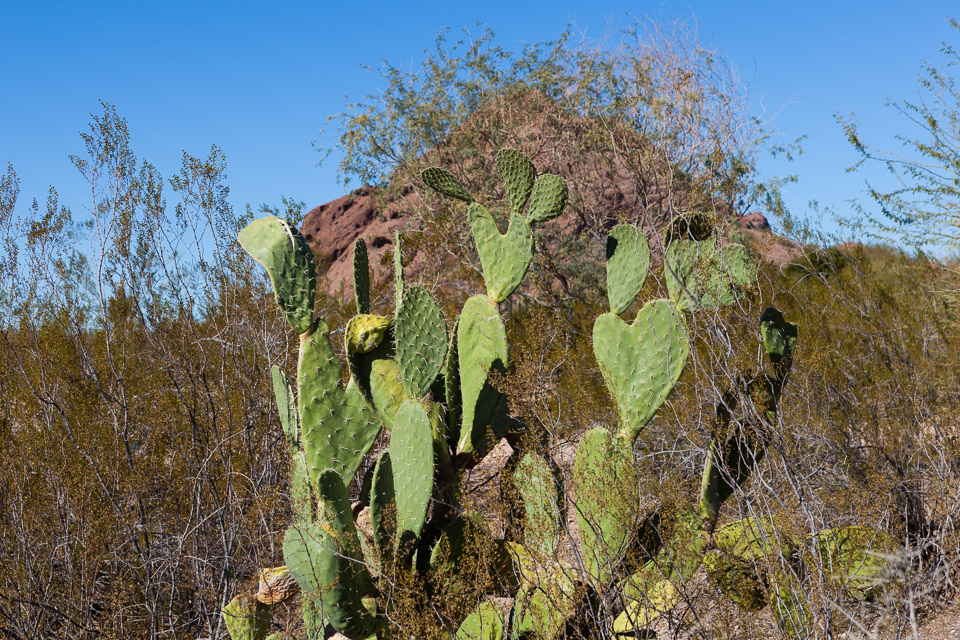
434 392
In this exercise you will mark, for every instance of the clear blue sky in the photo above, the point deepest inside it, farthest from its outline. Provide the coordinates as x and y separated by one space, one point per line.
259 79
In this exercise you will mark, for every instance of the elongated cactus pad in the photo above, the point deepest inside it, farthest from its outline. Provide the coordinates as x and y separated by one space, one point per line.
451 384
325 558
484 623
641 362
338 425
534 481
482 344
518 175
286 407
247 618
628 259
441 181
548 199
504 258
300 493
383 507
420 336
698 274
361 276
289 262
608 500
411 453
398 268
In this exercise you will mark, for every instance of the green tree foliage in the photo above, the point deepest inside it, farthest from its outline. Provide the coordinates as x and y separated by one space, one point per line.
923 206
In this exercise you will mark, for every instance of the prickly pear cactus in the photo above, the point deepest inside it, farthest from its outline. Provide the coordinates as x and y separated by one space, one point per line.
247 618
641 362
289 262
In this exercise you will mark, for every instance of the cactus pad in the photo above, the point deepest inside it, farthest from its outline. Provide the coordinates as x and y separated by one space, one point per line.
779 336
535 483
339 427
641 362
628 259
548 199
383 507
247 618
325 557
482 345
361 276
518 175
286 407
451 384
288 260
441 181
484 623
853 559
505 258
608 500
698 274
411 447
421 341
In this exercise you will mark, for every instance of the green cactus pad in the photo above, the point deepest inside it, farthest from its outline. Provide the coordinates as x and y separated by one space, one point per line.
628 259
247 618
365 333
504 258
466 558
286 407
853 558
482 345
383 507
518 175
361 276
700 275
411 453
548 199
288 260
534 481
789 606
441 181
542 609
338 425
658 597
484 623
779 336
325 557
398 268
655 589
420 337
451 384
300 494
378 376
608 500
743 548
641 362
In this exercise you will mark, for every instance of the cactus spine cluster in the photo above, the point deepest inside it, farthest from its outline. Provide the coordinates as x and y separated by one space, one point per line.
433 391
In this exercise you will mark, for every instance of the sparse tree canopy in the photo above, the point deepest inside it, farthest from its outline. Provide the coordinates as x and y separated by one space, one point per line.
923 206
